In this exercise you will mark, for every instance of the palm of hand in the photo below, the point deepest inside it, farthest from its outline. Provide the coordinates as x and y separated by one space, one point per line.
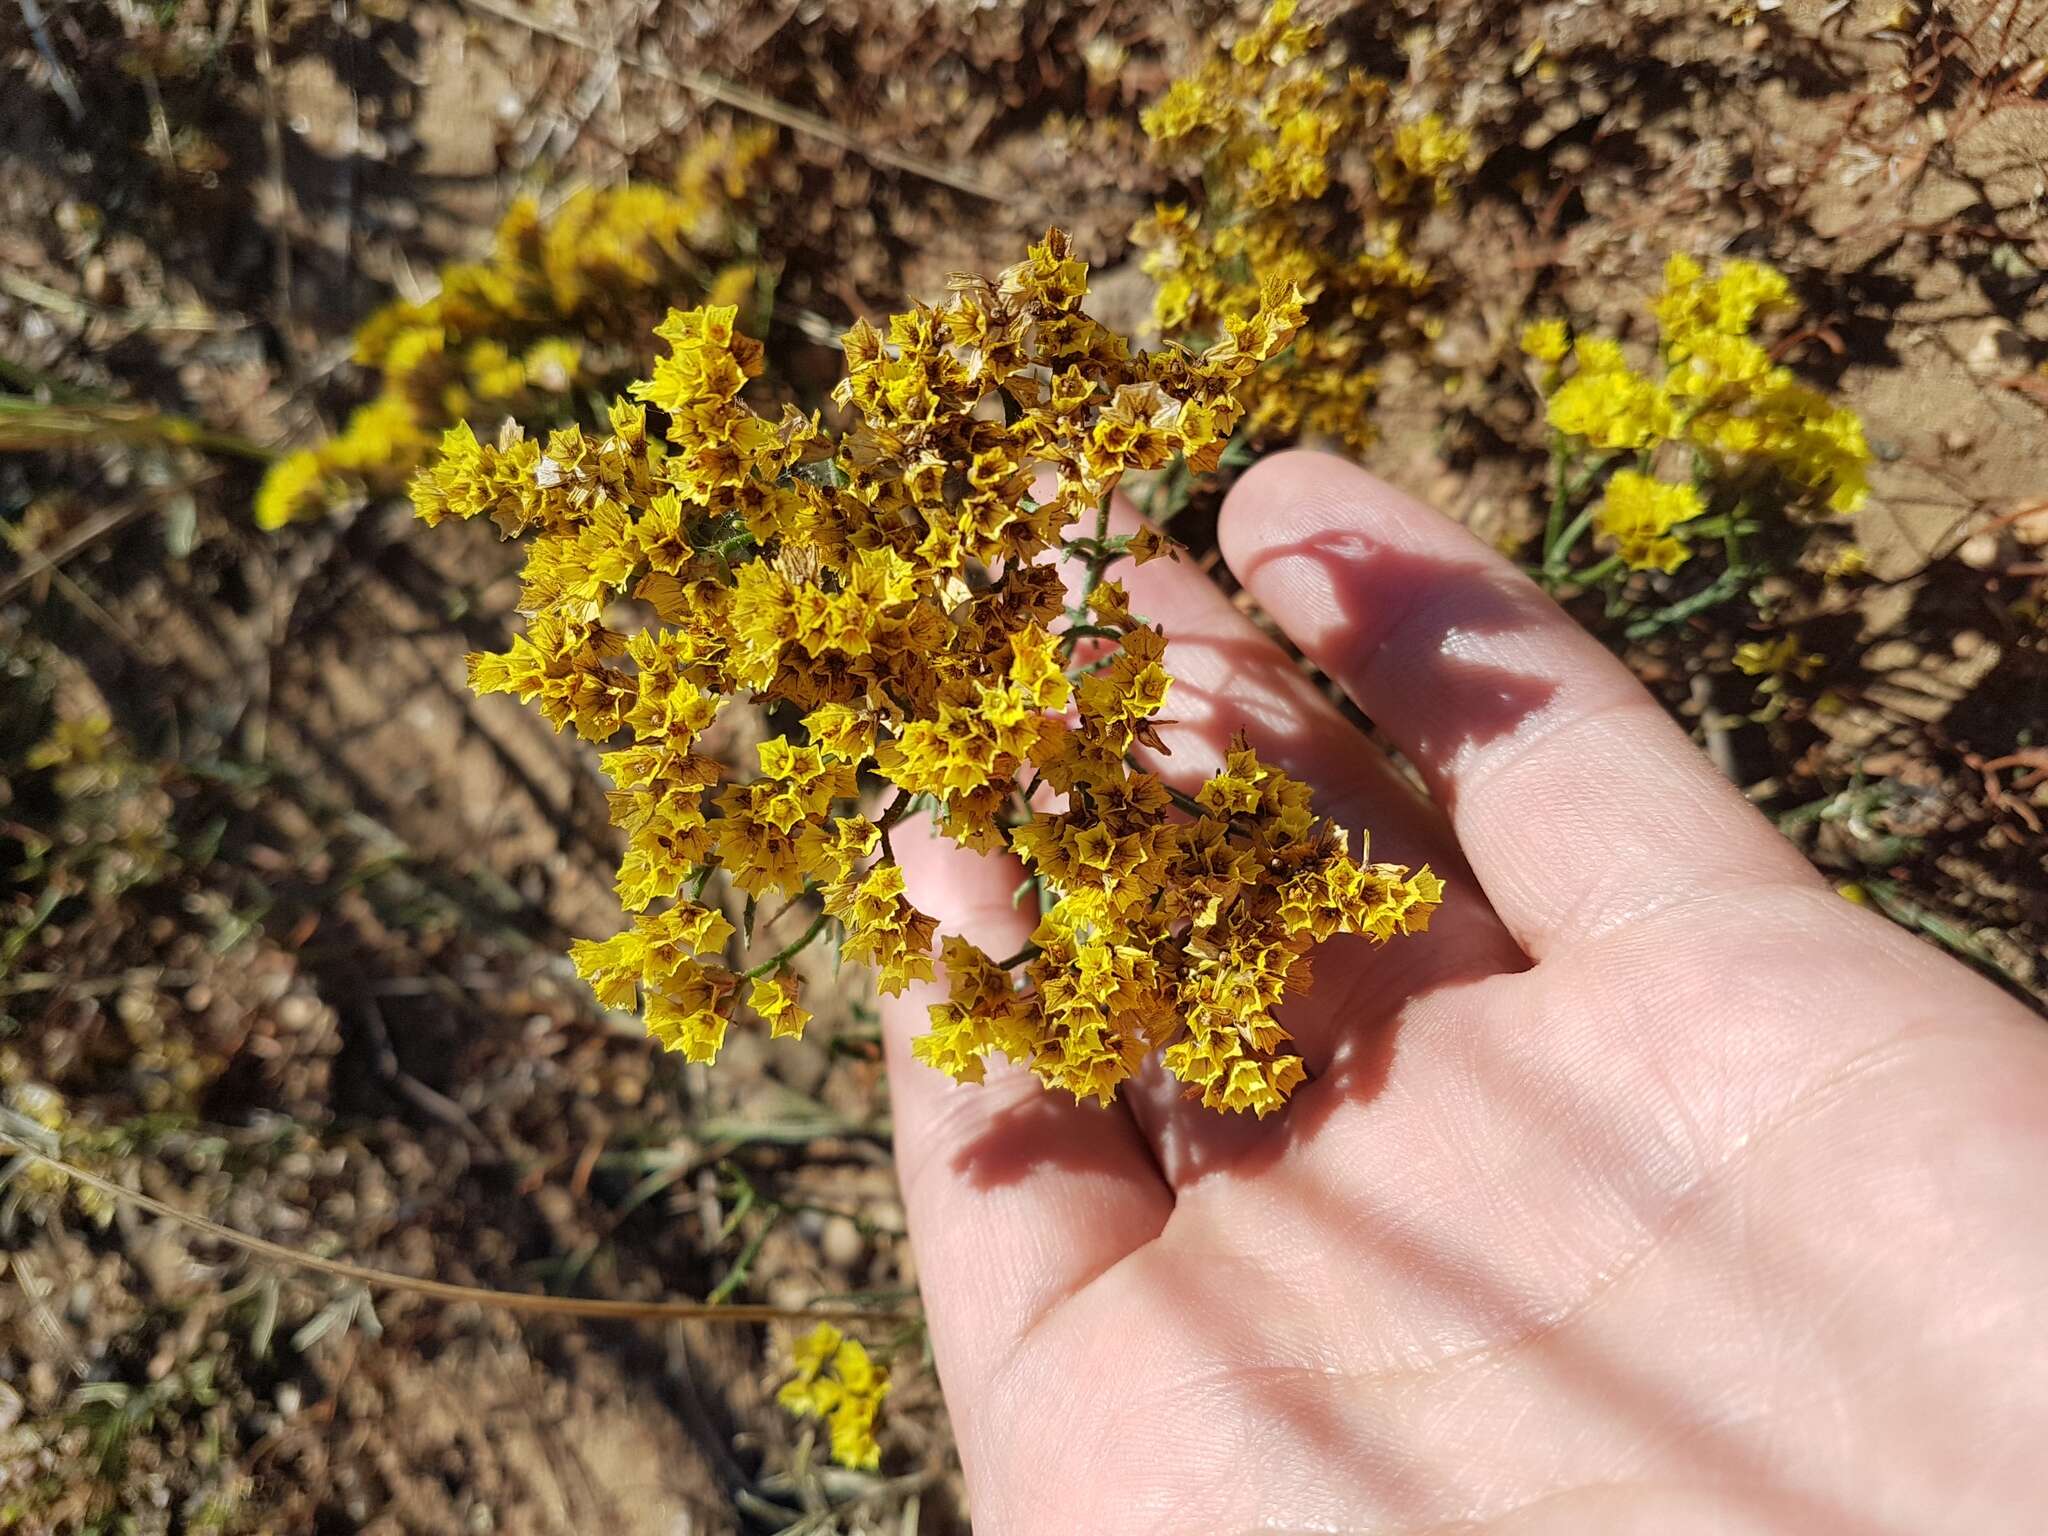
1655 1188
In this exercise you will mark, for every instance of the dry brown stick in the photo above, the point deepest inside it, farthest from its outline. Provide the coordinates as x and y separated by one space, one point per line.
740 99
79 598
444 1290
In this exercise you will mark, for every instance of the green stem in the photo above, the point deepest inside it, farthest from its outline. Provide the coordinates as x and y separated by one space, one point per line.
892 814
27 425
1554 567
1731 535
1092 632
1098 562
789 952
737 1275
1560 457
1560 537
1594 574
1721 588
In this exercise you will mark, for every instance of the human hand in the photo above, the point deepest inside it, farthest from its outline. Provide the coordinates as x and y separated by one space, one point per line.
1654 1188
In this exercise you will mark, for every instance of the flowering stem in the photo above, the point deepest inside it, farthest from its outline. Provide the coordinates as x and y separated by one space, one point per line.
1560 456
790 951
1561 537
889 817
1098 562
1731 536
1028 952
1594 574
1722 587
1554 562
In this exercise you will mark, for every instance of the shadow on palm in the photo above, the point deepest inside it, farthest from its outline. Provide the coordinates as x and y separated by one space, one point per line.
1229 677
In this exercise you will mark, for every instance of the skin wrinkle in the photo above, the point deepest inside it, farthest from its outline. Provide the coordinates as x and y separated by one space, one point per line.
1681 1207
1889 1053
1190 1388
1494 1523
1576 924
1586 932
1013 1358
1687 1204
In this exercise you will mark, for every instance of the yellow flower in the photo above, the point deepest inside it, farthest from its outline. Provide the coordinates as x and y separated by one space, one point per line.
1777 662
774 999
836 1380
1267 123
1548 341
883 929
1644 517
520 330
690 1009
1613 408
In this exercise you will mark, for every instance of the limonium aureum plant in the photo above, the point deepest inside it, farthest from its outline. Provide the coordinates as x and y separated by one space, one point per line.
925 603
1310 172
1688 460
558 311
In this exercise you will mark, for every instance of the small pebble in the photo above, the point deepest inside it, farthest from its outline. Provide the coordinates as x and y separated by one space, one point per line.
1979 552
841 1242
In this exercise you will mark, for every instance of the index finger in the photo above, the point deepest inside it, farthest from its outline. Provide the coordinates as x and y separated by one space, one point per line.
1579 803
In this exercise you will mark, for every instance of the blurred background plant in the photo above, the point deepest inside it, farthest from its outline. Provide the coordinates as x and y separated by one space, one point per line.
546 328
1309 170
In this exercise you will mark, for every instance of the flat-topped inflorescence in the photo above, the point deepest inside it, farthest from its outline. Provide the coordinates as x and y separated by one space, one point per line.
918 598
1714 442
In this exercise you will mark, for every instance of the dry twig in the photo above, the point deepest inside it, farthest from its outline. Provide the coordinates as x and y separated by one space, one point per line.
443 1290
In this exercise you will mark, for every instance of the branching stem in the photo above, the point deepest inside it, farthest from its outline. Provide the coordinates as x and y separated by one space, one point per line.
790 951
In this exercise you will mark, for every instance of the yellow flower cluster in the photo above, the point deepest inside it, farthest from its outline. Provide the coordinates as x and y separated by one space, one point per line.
889 593
1313 175
1777 663
1716 394
114 829
838 1382
557 309
44 1109
1640 513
